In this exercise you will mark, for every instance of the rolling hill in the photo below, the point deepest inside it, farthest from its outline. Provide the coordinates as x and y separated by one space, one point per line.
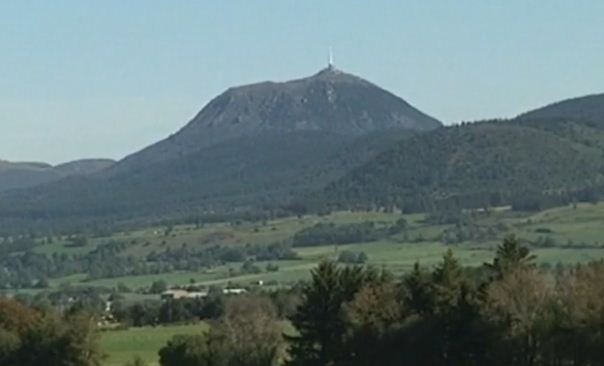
478 164
587 108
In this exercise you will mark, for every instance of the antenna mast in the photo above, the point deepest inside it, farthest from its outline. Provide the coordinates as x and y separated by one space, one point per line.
330 64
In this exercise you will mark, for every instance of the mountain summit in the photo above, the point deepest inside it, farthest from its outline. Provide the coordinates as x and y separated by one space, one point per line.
330 100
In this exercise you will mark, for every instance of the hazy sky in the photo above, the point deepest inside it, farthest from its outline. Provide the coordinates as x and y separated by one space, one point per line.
105 78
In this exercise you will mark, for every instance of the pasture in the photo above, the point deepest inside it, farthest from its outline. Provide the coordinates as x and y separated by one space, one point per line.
121 346
575 234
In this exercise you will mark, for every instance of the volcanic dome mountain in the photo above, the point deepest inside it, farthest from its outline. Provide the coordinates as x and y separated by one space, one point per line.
330 101
257 143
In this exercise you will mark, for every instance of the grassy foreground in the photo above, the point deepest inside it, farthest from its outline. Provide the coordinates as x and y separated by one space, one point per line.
122 346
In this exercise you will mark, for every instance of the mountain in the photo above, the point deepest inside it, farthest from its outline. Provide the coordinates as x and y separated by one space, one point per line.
251 146
586 108
553 151
331 101
19 175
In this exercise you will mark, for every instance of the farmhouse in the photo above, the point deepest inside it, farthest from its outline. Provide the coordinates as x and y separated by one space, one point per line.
176 294
182 294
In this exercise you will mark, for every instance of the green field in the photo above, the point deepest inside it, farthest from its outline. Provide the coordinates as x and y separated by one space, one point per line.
122 346
578 234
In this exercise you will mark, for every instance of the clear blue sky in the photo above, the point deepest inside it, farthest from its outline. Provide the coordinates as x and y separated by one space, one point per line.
105 78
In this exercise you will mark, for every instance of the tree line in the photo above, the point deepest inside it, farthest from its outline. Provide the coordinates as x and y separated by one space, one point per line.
505 313
23 267
330 233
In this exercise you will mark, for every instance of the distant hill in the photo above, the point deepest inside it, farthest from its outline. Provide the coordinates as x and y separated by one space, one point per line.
587 108
255 145
553 151
19 175
83 167
478 164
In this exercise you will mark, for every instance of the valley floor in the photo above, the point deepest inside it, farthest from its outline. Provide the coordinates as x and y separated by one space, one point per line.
566 236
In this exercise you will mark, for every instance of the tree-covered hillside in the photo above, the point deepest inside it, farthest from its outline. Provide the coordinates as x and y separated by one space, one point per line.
251 173
479 164
587 108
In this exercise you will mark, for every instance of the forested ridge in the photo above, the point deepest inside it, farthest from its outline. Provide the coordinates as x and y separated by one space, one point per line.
248 177
480 164
529 164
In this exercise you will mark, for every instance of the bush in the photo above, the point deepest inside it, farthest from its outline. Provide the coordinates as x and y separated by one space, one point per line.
250 267
322 234
136 361
349 257
193 350
272 267
543 230
158 287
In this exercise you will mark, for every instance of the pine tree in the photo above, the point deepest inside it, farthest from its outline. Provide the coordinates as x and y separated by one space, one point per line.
511 256
417 291
319 319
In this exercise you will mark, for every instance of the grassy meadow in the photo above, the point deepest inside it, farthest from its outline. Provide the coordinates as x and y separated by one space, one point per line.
122 346
577 234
